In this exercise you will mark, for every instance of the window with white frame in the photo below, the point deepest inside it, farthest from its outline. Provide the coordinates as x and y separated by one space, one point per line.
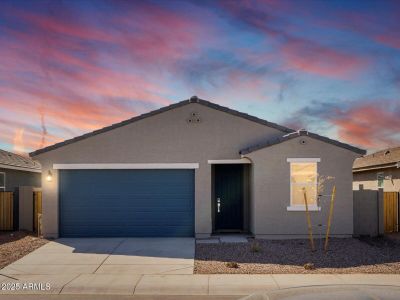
303 177
381 179
2 181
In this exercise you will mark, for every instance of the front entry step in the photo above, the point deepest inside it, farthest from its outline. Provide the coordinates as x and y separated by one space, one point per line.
224 239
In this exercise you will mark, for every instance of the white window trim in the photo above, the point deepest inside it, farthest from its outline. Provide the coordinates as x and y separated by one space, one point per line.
3 187
293 207
125 166
312 207
306 160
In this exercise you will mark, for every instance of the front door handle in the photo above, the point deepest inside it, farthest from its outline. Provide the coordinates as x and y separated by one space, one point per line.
218 205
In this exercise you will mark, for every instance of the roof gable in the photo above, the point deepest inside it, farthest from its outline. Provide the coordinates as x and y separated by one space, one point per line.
193 99
296 134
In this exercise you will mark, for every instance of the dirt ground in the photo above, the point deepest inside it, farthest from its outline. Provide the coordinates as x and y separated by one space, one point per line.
345 255
14 245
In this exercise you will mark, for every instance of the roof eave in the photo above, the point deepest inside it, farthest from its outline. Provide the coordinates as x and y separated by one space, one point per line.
19 168
377 167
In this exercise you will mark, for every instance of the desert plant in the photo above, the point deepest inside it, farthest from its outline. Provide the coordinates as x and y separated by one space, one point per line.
255 247
322 181
232 264
309 266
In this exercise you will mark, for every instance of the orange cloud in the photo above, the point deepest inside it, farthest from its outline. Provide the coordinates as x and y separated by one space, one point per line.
78 88
18 141
369 125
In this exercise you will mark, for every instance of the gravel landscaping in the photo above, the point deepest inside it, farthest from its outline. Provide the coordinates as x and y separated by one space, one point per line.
14 245
347 255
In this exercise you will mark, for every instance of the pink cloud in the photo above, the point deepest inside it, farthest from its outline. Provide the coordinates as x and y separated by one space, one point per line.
80 87
389 39
369 125
310 57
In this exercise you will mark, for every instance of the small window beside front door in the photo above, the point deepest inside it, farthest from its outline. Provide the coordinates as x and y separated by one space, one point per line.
2 181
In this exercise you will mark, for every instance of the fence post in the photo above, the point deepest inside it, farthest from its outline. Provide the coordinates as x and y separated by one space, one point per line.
16 209
381 211
26 208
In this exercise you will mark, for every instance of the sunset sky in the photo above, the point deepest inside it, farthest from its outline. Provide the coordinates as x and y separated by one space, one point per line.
70 67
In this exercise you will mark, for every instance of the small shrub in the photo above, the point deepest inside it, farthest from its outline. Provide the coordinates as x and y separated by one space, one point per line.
309 266
232 264
255 247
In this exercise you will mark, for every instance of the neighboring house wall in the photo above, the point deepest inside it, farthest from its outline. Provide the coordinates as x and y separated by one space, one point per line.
370 182
163 138
16 178
271 188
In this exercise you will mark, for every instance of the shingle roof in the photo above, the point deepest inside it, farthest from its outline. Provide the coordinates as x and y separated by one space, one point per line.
382 158
193 99
9 159
295 134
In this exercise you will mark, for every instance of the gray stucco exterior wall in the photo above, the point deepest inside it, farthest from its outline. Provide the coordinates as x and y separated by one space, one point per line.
16 178
271 189
370 181
161 138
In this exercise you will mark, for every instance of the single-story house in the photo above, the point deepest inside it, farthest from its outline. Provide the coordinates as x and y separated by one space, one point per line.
193 168
17 170
378 170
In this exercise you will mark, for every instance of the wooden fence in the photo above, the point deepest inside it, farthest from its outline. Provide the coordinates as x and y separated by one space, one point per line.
6 210
37 210
391 212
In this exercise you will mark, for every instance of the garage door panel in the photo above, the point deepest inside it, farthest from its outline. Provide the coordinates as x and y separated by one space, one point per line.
126 202
138 219
139 202
116 205
116 231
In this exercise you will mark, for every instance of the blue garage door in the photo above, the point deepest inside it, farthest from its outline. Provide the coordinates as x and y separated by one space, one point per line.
135 203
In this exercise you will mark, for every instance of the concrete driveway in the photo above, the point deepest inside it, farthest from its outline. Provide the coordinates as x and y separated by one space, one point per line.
123 256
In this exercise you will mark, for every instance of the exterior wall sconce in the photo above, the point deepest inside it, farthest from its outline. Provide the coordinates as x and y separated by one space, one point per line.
49 176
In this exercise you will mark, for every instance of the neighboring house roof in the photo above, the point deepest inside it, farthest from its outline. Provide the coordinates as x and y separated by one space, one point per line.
386 158
298 133
193 99
9 160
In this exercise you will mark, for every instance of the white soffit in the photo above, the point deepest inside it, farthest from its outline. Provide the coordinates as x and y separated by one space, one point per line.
229 161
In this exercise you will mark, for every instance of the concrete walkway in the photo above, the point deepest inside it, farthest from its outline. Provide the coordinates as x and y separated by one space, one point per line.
135 266
108 256
184 284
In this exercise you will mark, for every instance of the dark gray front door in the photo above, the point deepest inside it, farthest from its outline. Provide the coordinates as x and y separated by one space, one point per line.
228 200
132 203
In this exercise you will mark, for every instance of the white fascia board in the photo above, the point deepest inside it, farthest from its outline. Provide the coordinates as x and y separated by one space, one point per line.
2 166
229 161
303 208
303 159
141 166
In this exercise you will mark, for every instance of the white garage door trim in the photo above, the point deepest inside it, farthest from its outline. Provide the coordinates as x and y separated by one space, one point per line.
125 166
